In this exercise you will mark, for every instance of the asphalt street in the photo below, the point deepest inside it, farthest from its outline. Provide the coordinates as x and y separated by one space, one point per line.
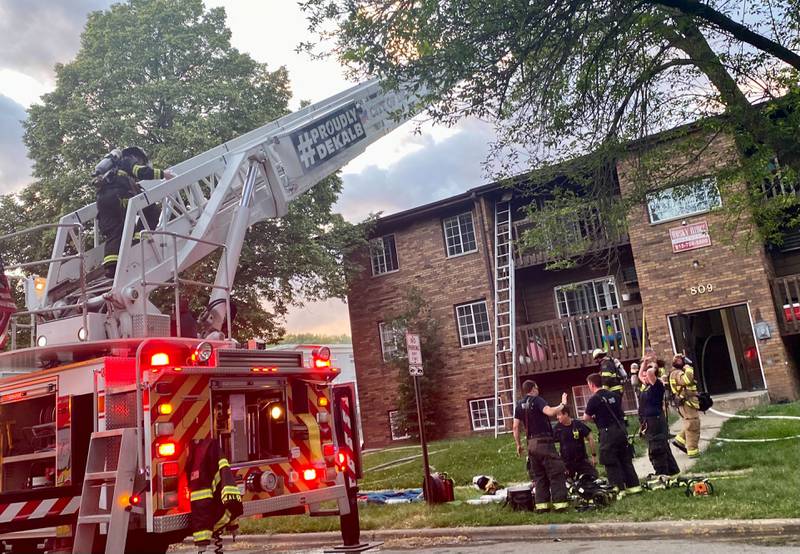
461 545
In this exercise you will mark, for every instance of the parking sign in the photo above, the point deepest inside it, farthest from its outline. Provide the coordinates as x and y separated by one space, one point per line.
414 349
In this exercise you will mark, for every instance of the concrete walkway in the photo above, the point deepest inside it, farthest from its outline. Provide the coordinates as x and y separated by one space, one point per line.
710 425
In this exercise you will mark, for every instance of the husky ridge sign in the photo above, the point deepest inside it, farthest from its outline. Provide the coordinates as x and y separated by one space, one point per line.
322 140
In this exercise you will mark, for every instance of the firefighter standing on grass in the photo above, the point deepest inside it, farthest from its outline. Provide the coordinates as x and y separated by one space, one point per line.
545 466
117 179
684 393
605 409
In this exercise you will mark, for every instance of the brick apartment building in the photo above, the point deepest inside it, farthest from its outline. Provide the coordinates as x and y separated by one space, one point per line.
678 284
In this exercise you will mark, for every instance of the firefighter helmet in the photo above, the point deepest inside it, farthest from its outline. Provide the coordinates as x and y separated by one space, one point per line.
597 352
137 153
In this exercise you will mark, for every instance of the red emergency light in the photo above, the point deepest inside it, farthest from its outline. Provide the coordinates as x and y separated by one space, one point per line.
167 449
341 460
169 469
309 474
321 357
159 359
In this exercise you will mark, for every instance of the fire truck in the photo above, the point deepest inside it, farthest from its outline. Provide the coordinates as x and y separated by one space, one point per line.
99 411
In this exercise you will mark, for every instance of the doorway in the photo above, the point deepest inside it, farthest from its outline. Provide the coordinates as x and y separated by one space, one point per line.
722 348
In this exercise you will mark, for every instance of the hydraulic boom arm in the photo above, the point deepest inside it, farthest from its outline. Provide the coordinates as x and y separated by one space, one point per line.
216 196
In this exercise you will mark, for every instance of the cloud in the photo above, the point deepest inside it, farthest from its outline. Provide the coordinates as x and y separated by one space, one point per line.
15 168
325 317
38 33
437 170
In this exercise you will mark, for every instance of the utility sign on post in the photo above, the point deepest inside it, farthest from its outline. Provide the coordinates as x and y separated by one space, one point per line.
414 350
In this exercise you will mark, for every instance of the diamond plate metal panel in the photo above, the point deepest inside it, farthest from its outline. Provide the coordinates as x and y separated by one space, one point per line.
156 325
293 500
121 410
165 524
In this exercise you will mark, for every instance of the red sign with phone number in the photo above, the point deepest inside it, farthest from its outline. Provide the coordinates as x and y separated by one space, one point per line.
690 237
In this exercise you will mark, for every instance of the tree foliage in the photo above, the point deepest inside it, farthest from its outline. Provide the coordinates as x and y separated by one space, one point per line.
316 338
414 316
566 78
162 74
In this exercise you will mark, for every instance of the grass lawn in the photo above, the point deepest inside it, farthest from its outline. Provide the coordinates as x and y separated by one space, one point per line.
768 491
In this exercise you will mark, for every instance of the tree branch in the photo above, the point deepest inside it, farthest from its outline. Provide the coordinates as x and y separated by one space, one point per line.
737 30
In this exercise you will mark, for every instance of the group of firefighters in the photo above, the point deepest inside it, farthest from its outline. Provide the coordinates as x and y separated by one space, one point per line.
550 469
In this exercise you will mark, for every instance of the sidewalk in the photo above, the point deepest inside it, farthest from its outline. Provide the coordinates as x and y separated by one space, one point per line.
710 425
572 531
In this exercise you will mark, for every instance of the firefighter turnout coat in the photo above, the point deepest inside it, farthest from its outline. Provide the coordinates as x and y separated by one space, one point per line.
215 499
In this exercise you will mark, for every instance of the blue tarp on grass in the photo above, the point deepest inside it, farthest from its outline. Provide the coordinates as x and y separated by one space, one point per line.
391 496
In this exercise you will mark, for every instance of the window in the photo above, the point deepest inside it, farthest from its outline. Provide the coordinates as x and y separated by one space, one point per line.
583 334
587 297
391 339
481 412
473 323
459 234
683 200
397 429
383 254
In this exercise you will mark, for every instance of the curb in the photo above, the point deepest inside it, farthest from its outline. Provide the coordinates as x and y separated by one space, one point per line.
507 533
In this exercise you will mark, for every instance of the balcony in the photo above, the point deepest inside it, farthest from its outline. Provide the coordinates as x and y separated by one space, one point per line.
567 343
588 230
786 293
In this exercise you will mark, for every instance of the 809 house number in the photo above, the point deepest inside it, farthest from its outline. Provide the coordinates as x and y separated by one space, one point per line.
701 289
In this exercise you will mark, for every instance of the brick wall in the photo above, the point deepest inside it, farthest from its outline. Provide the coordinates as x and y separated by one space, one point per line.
444 282
739 274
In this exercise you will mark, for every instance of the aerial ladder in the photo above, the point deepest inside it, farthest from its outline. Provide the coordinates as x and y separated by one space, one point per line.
111 366
208 206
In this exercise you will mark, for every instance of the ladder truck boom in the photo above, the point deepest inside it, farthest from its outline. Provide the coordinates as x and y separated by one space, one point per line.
208 206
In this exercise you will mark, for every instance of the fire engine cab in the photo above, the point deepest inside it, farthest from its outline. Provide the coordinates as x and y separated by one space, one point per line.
98 415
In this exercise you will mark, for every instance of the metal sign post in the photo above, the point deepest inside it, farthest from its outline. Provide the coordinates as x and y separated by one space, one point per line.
413 347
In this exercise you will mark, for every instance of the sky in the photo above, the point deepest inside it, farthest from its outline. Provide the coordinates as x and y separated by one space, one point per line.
432 164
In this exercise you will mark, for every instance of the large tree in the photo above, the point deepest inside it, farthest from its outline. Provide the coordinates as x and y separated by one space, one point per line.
564 78
162 74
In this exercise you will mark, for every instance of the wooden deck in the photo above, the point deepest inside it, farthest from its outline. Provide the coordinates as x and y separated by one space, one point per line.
567 343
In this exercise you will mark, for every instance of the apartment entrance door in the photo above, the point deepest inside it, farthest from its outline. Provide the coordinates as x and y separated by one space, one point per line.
721 346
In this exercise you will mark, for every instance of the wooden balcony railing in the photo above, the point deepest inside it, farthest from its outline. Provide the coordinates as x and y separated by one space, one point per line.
567 343
591 232
786 292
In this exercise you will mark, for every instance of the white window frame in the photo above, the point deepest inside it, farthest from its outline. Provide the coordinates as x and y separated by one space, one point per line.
378 257
389 341
667 194
454 223
469 319
393 427
481 413
611 301
607 282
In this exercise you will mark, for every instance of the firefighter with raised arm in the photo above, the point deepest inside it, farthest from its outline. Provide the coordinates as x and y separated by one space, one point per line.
545 466
117 179
684 394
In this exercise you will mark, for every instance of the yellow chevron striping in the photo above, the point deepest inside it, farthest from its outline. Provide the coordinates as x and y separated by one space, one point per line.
313 435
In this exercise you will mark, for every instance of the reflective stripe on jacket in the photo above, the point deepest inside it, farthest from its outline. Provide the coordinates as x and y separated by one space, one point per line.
215 499
683 386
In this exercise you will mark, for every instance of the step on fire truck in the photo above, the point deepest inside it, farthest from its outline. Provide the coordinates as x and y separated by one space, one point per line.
98 414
